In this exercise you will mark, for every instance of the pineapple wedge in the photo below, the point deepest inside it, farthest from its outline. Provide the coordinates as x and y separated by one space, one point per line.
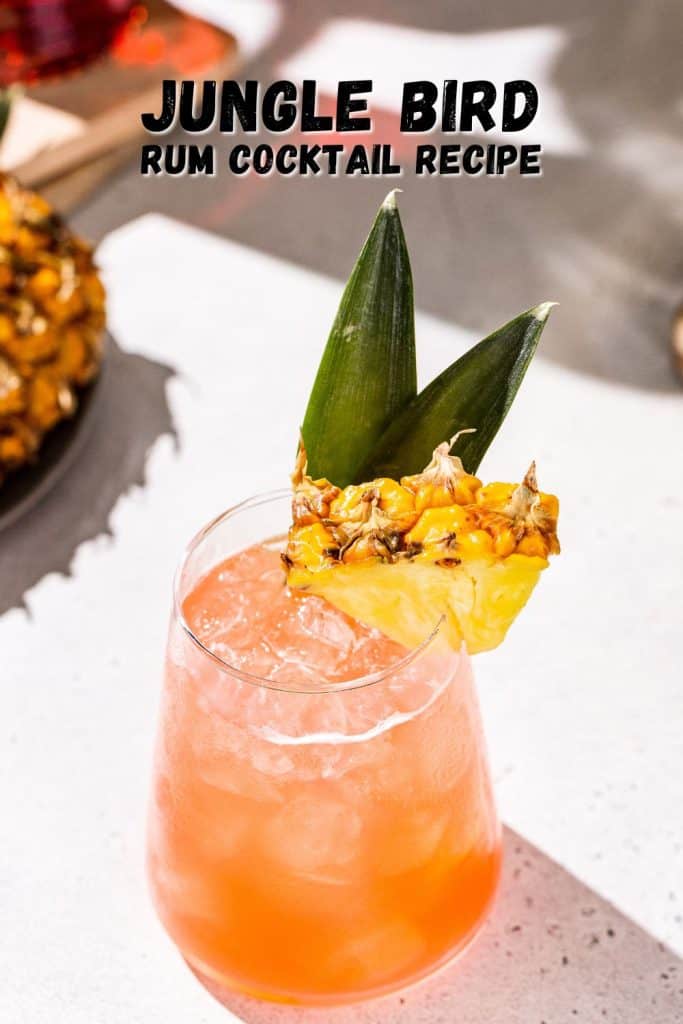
408 550
436 547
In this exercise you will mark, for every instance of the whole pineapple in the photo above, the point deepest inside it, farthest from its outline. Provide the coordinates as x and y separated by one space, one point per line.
52 315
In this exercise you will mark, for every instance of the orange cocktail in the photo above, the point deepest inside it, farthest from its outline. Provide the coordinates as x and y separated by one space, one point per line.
322 825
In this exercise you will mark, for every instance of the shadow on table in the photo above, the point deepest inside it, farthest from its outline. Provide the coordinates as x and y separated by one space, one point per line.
131 413
553 952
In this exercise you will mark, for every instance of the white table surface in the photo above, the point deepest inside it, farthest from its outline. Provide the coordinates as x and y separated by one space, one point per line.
582 704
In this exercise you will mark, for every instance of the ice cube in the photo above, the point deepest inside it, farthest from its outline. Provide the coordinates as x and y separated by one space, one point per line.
314 834
392 948
271 759
445 745
416 838
323 622
233 771
294 675
183 892
242 780
324 713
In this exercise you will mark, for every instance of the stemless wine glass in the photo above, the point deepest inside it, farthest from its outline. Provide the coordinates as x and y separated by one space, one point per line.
313 838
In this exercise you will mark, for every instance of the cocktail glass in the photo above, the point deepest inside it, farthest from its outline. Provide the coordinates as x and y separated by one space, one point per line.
322 826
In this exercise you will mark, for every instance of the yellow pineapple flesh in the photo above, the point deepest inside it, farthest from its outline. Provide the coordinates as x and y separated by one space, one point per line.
435 547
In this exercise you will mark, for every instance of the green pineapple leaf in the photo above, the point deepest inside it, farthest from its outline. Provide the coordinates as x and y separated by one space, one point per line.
368 371
475 391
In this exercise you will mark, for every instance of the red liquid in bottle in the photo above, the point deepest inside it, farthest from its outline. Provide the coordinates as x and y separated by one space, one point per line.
43 38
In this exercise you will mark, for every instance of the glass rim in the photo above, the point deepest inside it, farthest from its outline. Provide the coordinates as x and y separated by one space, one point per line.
234 671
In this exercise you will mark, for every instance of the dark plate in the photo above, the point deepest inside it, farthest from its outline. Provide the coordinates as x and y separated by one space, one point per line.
24 488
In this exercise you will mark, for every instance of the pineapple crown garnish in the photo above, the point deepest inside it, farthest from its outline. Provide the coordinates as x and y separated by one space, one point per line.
365 391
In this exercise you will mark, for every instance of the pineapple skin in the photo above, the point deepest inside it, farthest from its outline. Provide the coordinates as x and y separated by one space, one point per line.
436 548
52 317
